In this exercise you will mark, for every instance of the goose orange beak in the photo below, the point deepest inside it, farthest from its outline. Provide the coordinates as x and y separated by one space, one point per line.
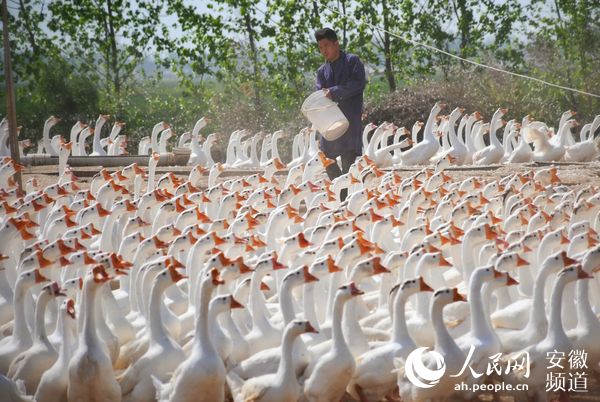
39 278
235 304
423 286
354 291
308 277
457 297
510 281
521 262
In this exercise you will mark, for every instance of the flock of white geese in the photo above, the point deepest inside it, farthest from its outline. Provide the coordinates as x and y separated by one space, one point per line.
269 288
462 141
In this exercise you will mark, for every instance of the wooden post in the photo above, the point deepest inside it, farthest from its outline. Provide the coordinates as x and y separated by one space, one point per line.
10 96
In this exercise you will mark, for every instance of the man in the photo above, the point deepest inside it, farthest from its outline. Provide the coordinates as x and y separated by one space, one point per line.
342 77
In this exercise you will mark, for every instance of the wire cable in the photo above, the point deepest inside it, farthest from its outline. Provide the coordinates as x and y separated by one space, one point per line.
475 63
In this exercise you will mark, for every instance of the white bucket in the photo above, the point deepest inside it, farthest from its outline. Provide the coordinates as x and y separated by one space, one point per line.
325 115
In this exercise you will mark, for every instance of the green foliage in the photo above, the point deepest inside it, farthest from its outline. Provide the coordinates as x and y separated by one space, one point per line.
251 63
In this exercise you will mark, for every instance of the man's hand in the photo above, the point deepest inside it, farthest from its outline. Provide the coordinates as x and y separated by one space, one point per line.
327 93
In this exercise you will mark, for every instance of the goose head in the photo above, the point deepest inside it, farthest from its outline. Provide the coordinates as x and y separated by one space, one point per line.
509 261
447 296
367 268
224 303
348 291
299 276
410 287
31 278
297 327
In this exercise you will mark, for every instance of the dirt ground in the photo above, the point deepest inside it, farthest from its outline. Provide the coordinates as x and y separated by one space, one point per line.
573 174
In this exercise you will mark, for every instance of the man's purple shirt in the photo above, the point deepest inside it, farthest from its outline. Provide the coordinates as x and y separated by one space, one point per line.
345 79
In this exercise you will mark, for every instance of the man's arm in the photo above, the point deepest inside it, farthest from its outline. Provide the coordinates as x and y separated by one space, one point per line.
354 86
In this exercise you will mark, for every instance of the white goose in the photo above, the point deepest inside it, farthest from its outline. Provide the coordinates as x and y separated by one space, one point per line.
281 386
328 378
445 346
374 379
91 375
54 381
30 365
97 147
203 369
21 340
163 354
492 153
421 152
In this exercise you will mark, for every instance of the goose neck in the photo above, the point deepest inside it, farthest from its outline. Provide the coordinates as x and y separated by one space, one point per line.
285 371
20 325
89 332
202 335
286 303
337 334
585 315
39 328
555 326
443 340
157 329
479 323
400 331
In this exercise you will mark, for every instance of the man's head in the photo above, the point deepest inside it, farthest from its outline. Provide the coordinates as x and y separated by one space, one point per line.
328 43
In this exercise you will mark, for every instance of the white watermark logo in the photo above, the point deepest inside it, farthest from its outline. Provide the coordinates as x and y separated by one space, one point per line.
418 374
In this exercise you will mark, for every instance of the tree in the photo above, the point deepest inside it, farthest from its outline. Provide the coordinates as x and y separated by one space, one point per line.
107 39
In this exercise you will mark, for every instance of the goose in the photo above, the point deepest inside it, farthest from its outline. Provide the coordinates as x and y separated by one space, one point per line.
281 386
263 334
30 365
327 379
582 336
445 346
522 153
97 147
91 375
164 139
184 140
421 152
267 361
556 340
163 354
585 150
73 138
373 378
21 340
221 337
49 148
203 369
157 129
457 150
544 150
493 152
199 156
144 146
419 325
527 315
54 381
481 340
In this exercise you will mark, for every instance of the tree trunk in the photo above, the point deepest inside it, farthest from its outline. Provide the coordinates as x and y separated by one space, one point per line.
24 14
114 59
316 17
389 72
